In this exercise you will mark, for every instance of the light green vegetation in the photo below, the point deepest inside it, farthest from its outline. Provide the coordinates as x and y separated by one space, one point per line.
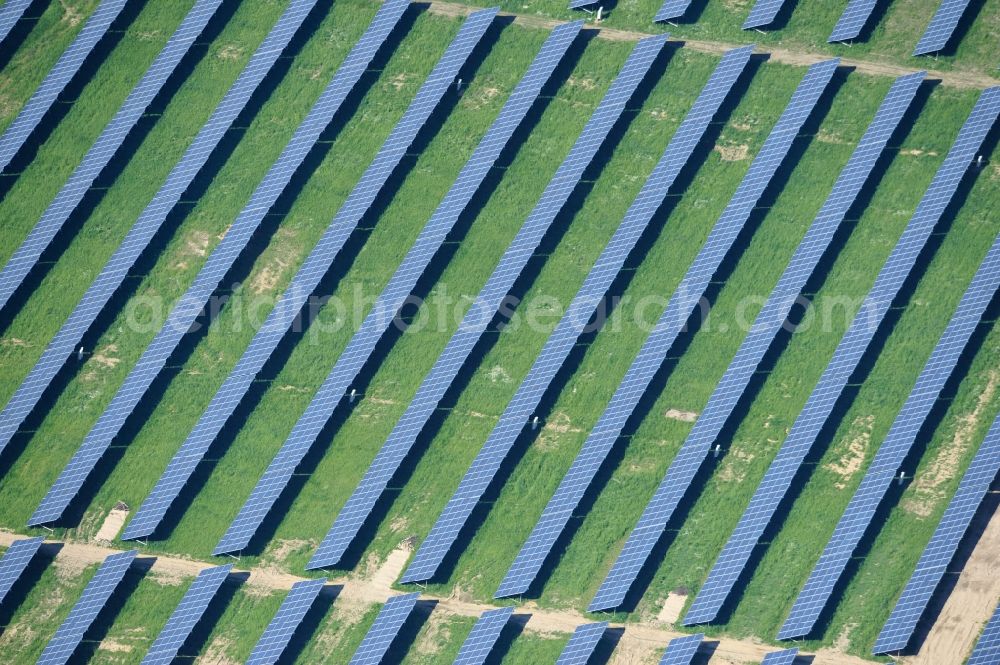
716 507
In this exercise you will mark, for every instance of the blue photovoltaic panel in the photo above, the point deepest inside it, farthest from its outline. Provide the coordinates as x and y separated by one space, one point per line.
95 596
387 625
308 277
672 10
478 645
706 264
774 314
934 561
359 350
10 13
57 79
786 657
149 222
221 260
681 650
850 350
186 615
578 4
987 651
582 643
852 21
104 149
942 26
577 480
486 305
763 13
279 632
519 410
14 561
886 465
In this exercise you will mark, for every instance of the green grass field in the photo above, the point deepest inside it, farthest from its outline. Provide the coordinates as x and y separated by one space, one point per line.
716 507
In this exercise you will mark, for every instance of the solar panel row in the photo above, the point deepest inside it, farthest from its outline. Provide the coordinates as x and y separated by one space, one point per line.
987 651
681 650
387 625
480 642
10 13
95 596
786 657
363 343
852 21
69 63
605 270
933 563
15 560
104 149
672 10
279 631
582 643
852 347
307 279
186 311
763 13
942 27
579 4
774 313
486 305
669 326
30 392
889 458
186 615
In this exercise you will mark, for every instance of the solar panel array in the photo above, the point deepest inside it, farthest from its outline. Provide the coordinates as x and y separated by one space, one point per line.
27 396
486 305
987 650
709 258
681 650
279 631
104 149
786 657
773 315
850 350
186 615
69 63
852 21
480 642
891 454
942 27
15 560
763 13
363 343
387 625
95 596
582 643
10 13
562 340
308 277
218 264
671 10
938 554
578 4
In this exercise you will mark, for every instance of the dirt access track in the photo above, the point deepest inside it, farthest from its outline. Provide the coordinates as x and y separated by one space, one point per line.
789 57
640 643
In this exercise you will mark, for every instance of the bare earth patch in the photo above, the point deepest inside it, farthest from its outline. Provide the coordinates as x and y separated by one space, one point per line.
683 416
734 467
859 437
927 490
230 52
112 525
733 153
670 612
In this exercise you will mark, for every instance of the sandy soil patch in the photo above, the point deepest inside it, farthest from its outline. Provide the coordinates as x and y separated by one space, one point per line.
734 465
683 416
670 612
859 437
927 491
230 52
733 153
112 524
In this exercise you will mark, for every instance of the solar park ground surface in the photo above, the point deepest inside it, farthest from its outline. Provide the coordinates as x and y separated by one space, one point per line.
762 600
